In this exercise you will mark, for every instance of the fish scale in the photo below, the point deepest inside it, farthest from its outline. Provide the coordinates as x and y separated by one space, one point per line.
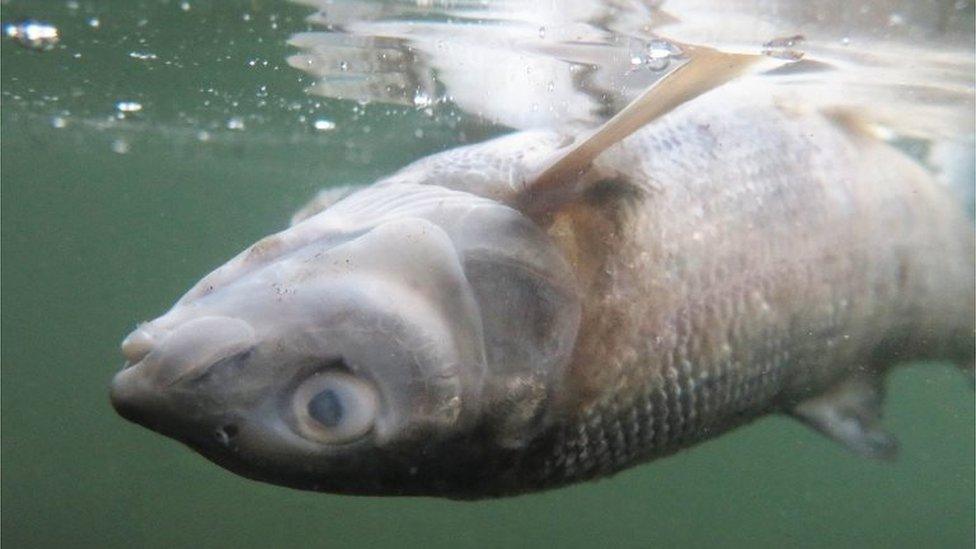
615 434
677 406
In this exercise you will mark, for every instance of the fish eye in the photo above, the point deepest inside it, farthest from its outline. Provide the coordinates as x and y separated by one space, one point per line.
335 407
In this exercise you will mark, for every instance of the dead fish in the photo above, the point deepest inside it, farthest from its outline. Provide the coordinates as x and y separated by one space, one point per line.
532 311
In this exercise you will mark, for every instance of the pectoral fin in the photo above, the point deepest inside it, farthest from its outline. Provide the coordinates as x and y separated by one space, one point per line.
850 414
563 176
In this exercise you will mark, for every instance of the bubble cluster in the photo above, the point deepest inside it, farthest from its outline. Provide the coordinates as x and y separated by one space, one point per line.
784 48
35 35
655 55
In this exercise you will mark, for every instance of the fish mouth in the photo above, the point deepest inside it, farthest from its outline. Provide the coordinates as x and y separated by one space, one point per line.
126 392
137 400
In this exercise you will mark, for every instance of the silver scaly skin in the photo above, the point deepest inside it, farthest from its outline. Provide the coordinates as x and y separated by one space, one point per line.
758 257
744 257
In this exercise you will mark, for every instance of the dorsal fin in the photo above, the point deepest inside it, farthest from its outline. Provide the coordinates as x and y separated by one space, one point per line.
560 178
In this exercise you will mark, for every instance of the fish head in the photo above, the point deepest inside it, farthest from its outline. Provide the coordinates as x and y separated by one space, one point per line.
345 359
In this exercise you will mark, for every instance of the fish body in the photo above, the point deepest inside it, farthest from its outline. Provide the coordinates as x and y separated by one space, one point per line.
447 332
770 258
743 257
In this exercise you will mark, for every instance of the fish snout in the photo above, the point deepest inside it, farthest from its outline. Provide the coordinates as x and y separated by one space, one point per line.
160 360
138 344
187 350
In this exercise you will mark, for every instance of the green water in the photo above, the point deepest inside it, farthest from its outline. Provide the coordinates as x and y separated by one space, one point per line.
106 222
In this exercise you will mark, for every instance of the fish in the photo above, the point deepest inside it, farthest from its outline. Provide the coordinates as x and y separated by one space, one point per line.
545 308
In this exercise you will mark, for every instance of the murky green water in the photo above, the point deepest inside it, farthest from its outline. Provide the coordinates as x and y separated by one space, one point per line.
105 221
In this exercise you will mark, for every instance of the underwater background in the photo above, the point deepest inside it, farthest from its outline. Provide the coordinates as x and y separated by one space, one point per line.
157 139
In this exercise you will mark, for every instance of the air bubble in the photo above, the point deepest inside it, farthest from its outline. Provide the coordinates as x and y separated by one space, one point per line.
323 125
34 35
783 48
120 146
655 55
421 100
235 123
128 107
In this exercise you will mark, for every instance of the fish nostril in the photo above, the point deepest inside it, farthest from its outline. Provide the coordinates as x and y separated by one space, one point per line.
225 434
